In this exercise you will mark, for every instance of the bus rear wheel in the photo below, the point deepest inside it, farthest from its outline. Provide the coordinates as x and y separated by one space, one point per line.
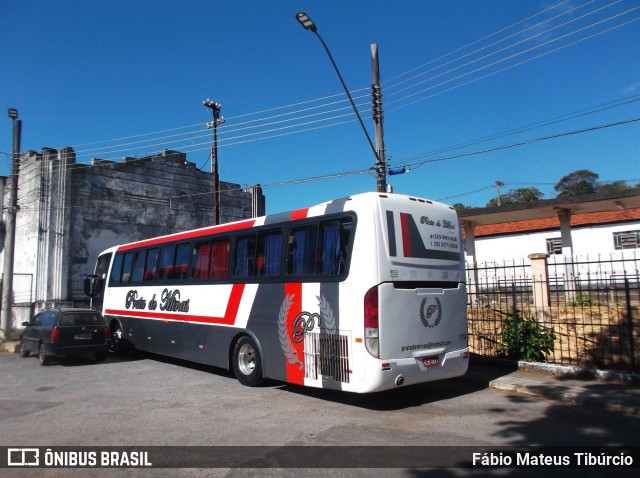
247 362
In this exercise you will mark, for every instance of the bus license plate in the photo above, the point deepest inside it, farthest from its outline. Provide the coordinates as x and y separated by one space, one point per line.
430 361
82 336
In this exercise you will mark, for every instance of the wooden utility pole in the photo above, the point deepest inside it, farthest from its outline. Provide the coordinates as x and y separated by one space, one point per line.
217 120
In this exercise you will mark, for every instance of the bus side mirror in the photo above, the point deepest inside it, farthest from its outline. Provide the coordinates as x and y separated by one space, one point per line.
92 285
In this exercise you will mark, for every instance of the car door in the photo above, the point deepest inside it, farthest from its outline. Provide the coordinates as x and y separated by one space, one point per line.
31 334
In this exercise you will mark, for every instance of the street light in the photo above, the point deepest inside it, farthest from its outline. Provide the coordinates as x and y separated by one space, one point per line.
308 24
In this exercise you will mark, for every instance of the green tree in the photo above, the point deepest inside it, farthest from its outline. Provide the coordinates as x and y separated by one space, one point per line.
579 182
518 196
459 206
613 186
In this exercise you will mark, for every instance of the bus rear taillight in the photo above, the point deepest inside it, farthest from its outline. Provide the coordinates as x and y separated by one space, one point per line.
371 334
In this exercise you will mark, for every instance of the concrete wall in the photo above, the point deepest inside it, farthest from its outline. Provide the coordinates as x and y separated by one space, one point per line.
70 212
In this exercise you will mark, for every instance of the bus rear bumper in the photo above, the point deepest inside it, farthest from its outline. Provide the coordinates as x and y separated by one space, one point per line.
395 373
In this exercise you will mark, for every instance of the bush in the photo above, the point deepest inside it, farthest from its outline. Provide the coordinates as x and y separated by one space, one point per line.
533 340
585 301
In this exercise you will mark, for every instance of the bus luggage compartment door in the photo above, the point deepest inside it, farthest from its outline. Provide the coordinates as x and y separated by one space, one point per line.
416 318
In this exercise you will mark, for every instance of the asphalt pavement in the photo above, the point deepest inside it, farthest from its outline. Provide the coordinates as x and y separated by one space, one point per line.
606 390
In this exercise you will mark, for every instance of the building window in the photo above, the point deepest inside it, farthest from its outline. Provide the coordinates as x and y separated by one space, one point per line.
626 240
554 245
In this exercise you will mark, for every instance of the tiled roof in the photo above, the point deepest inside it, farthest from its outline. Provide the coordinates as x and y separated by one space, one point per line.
595 218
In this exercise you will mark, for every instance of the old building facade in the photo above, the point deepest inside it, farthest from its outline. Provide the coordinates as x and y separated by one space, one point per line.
70 212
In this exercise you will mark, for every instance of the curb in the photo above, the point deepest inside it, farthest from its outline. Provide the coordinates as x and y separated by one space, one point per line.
569 395
604 399
568 371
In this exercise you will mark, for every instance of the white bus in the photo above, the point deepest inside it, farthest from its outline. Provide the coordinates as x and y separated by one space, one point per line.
361 294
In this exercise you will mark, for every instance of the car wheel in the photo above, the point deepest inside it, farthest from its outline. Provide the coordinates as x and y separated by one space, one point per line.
43 358
23 349
101 356
247 363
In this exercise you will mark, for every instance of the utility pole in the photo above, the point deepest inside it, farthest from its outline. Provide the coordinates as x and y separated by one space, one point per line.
7 282
499 184
217 120
378 117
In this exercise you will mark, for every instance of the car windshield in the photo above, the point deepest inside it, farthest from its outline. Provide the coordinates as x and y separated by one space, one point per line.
76 318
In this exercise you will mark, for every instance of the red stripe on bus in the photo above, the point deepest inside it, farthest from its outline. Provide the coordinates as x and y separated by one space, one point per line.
406 239
295 370
190 234
229 316
299 214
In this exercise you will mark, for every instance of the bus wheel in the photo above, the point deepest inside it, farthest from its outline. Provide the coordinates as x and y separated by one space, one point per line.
117 345
247 363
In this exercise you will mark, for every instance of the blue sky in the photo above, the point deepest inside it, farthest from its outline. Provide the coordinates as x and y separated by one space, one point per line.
124 78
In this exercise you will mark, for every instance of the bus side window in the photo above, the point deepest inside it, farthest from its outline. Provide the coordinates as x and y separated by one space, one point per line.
165 265
301 253
219 259
329 258
200 258
126 266
269 253
116 270
138 266
334 242
150 267
182 261
346 227
245 256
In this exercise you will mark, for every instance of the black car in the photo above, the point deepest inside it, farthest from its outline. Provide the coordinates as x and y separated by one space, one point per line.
62 331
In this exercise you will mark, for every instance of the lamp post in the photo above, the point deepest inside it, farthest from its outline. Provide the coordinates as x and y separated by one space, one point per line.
7 282
308 24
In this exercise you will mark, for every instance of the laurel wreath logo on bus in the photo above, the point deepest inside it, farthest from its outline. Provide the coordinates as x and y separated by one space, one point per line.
431 311
303 323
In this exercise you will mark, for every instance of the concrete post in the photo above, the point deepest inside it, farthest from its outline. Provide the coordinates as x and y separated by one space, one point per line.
470 257
540 277
567 251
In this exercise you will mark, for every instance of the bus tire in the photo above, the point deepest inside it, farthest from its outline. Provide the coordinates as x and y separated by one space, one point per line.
118 344
247 362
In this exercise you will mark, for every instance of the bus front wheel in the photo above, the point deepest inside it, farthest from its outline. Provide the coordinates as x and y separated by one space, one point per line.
247 363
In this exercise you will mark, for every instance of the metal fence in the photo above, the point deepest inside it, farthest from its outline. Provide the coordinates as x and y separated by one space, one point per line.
592 308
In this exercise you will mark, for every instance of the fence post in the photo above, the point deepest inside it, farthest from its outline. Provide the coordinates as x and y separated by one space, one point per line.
632 351
540 282
515 320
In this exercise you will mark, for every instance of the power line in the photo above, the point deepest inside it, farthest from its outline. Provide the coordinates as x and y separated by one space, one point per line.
527 142
417 165
300 127
510 57
81 153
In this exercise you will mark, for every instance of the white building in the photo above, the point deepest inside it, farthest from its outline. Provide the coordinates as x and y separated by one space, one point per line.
598 228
